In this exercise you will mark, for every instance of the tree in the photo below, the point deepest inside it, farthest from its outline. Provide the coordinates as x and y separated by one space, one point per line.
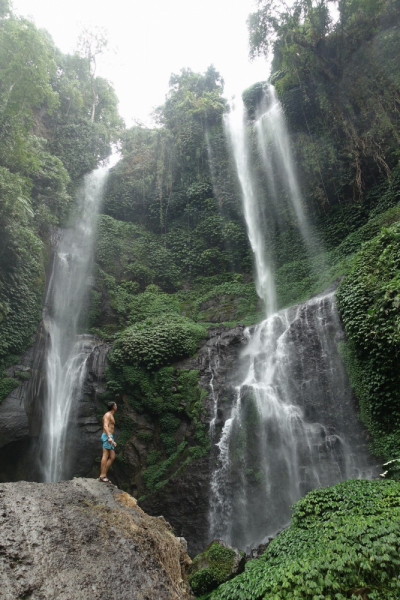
92 43
338 78
26 66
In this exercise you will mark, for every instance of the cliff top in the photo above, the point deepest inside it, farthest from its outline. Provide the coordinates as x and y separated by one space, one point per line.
85 539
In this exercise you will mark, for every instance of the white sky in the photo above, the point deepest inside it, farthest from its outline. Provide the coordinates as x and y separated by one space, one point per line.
152 39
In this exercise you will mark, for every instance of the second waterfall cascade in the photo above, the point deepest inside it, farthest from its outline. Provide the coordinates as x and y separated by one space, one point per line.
68 349
293 425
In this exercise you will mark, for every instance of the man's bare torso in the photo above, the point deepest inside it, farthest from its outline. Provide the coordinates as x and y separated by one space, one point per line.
108 423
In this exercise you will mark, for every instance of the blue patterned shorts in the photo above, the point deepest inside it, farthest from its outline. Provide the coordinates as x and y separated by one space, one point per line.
106 443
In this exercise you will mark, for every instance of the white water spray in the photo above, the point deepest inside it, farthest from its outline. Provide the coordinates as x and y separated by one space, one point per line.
292 428
67 350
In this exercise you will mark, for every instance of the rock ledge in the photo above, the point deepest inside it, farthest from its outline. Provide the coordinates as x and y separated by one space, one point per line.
84 539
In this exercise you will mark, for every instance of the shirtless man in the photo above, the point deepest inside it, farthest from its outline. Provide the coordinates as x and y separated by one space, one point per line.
107 438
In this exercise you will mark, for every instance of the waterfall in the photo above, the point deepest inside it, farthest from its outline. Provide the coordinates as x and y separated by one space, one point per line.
292 428
214 394
235 125
68 349
293 425
276 156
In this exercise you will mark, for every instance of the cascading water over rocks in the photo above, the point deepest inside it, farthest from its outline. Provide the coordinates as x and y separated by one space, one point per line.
68 350
293 425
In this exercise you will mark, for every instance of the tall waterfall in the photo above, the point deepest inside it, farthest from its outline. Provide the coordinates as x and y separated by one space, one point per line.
68 349
293 426
276 156
235 124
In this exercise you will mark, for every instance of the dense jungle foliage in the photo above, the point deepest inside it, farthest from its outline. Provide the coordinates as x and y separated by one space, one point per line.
339 82
48 140
172 242
343 543
172 257
337 75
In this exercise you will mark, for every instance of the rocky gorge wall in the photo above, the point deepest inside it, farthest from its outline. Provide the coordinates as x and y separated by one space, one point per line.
183 497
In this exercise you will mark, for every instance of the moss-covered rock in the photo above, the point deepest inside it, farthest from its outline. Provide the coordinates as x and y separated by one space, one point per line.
217 564
369 304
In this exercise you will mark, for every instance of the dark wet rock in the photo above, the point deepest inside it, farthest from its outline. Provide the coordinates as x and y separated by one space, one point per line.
184 500
17 421
14 425
259 551
86 428
221 308
21 414
85 539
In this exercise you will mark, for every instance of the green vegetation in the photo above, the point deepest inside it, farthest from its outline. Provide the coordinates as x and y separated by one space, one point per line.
7 385
369 302
172 255
339 84
171 402
392 470
211 568
172 221
158 341
48 139
343 542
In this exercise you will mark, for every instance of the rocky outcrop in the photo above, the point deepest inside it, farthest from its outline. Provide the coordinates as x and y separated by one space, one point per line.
218 563
84 539
184 500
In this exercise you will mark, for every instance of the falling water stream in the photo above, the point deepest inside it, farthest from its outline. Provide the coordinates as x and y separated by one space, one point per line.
68 349
270 127
235 124
293 425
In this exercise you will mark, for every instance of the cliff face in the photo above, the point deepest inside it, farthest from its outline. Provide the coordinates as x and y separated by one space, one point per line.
21 415
84 539
184 500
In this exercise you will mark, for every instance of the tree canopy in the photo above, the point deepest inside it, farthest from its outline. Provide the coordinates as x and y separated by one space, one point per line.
335 67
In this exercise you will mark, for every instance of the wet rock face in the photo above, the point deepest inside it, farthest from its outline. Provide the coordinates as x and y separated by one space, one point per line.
86 428
16 416
85 539
184 501
21 415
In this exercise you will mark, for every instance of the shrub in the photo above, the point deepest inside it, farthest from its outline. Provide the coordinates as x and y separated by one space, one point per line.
214 566
159 341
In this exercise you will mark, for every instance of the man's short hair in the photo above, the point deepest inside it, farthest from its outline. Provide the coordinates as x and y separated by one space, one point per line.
111 405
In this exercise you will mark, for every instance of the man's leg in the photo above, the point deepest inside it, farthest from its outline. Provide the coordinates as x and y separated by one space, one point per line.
104 460
110 460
